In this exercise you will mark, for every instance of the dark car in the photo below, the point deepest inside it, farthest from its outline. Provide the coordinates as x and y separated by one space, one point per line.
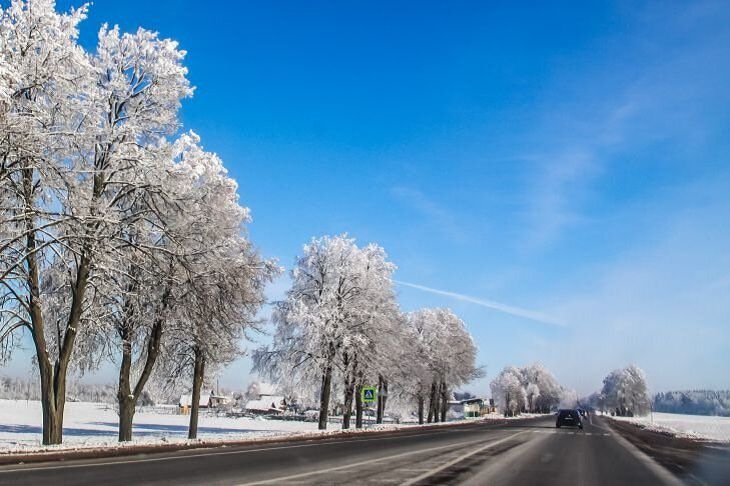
569 417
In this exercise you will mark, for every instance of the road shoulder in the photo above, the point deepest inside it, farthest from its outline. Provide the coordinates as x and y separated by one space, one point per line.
690 460
11 458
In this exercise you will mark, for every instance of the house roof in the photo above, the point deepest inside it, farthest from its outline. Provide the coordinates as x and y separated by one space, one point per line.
474 400
187 400
266 402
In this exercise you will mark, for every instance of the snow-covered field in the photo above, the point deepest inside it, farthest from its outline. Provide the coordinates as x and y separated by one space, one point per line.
692 426
95 425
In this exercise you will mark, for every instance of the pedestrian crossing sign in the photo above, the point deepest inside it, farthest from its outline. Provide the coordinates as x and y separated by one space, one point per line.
369 394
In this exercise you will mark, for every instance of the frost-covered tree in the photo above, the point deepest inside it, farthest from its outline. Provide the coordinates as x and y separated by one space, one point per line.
81 142
625 391
508 391
105 228
532 391
221 277
445 359
695 402
184 299
370 343
538 390
542 390
338 290
417 369
45 138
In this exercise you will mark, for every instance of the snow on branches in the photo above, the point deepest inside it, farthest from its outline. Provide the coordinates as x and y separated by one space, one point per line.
340 327
625 392
530 389
111 230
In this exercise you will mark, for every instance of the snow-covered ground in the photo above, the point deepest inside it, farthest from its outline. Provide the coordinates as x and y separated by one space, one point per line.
95 425
692 426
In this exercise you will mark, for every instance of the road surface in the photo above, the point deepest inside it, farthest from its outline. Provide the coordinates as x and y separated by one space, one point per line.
523 453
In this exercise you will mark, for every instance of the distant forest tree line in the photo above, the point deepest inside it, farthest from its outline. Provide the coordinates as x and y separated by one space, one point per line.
694 402
29 389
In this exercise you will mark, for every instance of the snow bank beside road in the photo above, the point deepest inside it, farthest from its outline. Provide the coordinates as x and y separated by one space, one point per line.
94 425
689 426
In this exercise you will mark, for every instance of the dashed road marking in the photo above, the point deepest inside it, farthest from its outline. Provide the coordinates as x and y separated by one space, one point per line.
362 463
440 468
183 454
567 432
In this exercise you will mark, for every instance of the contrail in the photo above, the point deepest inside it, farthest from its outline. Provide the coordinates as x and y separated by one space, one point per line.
490 304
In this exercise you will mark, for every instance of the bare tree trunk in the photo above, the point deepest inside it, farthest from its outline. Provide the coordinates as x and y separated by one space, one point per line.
349 395
348 391
126 397
432 404
324 397
52 376
358 406
126 416
420 409
381 400
198 374
444 401
52 419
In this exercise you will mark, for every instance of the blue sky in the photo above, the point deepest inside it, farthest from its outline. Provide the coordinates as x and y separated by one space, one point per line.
568 160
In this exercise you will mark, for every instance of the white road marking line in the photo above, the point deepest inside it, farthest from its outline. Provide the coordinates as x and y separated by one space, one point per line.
204 452
438 469
357 464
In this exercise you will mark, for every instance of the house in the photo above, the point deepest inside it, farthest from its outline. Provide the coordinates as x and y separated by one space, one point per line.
186 402
217 401
267 405
477 407
207 400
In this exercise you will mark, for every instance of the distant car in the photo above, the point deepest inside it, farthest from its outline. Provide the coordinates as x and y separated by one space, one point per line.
569 418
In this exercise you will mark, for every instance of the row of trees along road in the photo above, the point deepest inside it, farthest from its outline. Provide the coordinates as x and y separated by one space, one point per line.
527 389
340 328
122 239
118 238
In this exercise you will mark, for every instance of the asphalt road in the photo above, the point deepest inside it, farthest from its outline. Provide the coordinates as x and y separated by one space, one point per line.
524 453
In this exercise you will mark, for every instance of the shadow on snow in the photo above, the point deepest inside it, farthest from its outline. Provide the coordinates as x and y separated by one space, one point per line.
139 430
